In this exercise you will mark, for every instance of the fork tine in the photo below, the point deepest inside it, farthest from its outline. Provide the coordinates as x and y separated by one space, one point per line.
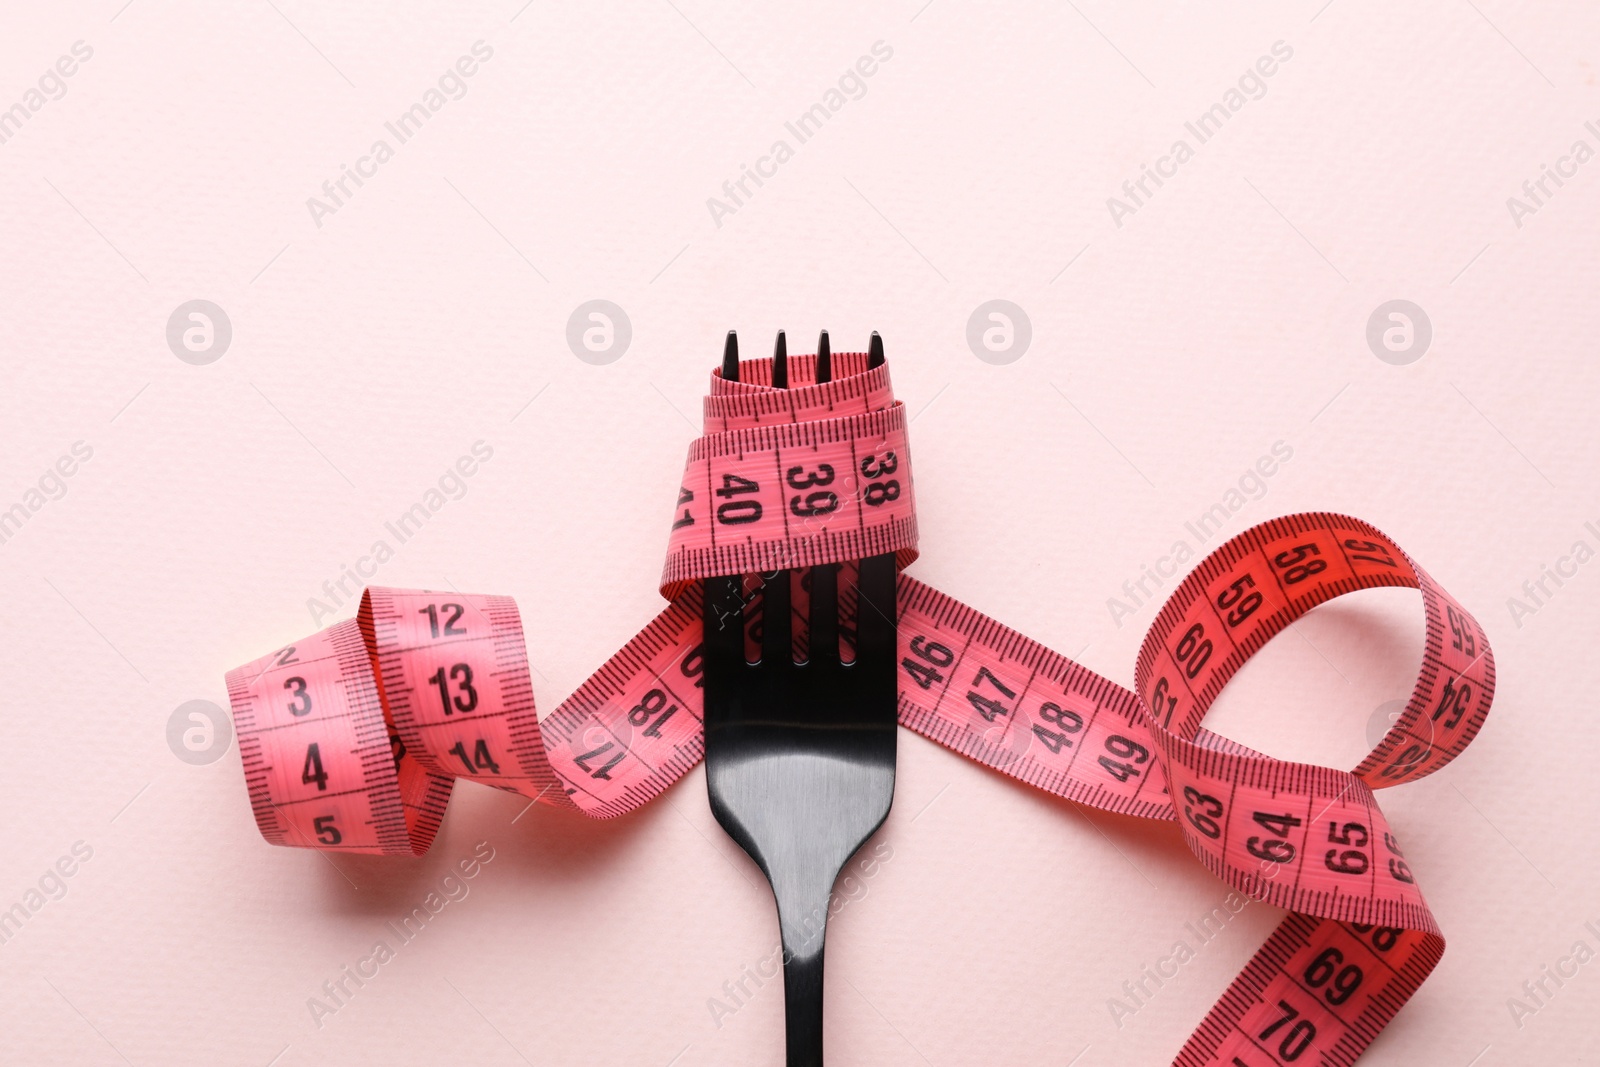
730 357
777 632
875 608
724 622
824 638
723 614
875 605
824 641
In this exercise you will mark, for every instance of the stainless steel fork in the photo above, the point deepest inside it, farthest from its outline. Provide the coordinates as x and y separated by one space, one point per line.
800 757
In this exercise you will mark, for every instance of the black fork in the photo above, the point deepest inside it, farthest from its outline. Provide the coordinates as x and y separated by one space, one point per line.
800 757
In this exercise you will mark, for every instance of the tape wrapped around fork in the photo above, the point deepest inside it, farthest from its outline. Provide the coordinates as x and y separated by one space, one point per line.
352 737
794 477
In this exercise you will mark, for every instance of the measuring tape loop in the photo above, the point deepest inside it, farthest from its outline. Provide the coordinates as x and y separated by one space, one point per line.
752 401
353 737
1307 838
797 484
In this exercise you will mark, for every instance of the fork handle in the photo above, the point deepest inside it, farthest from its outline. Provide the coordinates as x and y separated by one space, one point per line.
802 1007
803 896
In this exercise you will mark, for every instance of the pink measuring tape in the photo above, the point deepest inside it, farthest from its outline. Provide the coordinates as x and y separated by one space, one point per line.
352 738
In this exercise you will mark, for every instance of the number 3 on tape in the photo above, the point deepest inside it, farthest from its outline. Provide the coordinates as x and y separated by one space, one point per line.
353 737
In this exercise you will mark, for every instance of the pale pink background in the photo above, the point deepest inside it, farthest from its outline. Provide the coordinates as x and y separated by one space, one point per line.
1167 356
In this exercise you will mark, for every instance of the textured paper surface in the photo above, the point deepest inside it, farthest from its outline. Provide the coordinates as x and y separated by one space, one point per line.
1175 339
